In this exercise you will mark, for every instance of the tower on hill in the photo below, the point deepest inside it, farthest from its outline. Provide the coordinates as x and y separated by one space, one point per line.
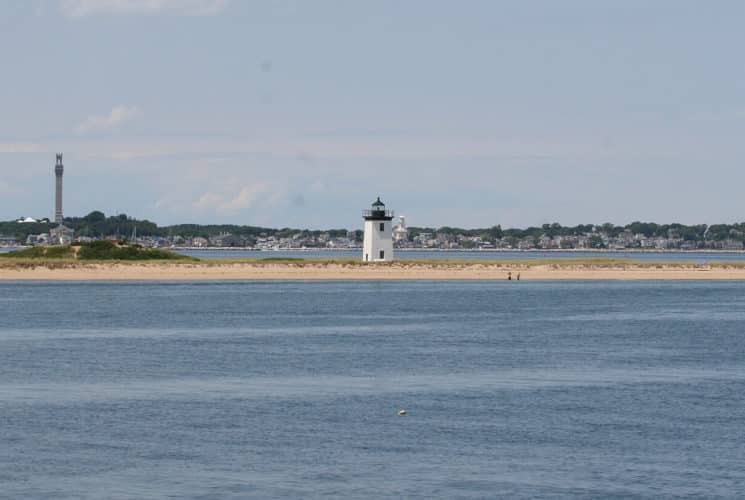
59 170
378 241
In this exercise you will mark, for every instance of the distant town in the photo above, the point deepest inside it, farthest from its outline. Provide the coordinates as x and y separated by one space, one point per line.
29 231
635 236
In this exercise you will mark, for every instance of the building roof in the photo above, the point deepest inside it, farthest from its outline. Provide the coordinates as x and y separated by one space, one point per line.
61 229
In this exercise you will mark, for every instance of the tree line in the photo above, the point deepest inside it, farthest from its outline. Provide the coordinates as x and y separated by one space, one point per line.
698 232
97 225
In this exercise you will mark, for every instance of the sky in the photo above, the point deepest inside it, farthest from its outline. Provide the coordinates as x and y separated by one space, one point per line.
296 113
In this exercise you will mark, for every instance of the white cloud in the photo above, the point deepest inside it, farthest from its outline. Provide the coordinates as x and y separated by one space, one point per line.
38 9
82 8
117 115
21 147
232 202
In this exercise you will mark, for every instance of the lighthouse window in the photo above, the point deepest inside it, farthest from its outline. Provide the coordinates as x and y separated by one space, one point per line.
382 226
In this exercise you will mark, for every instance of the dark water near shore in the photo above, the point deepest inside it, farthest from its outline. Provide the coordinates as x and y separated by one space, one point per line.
261 390
697 257
642 256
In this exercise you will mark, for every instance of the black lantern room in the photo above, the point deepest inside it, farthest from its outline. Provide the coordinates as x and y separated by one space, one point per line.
377 212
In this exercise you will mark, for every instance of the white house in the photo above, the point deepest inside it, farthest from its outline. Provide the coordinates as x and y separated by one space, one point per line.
400 232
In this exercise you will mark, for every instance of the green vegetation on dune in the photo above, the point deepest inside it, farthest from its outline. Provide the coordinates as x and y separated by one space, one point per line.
600 262
56 252
97 250
109 250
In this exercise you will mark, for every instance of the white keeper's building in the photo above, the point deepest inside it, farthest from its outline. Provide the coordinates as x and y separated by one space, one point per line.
378 241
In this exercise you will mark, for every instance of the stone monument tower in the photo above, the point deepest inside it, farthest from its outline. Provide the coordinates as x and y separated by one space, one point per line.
59 169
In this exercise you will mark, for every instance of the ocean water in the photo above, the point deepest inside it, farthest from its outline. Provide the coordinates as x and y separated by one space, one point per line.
643 256
637 255
265 390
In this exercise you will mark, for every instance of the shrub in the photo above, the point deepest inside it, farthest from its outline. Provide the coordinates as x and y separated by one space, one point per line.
56 252
108 250
96 250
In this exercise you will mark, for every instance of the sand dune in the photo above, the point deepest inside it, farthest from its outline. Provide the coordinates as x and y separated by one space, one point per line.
349 271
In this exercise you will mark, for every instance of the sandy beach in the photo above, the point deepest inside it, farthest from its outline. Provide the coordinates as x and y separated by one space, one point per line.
349 271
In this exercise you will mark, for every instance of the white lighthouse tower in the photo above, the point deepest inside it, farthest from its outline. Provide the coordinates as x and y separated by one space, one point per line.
378 243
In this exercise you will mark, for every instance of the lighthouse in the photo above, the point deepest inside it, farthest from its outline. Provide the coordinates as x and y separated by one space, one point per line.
378 242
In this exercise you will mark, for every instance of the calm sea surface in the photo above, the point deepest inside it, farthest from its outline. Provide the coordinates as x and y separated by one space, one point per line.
698 257
261 390
660 256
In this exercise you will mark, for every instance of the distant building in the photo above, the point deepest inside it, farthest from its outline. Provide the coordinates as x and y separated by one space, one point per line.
61 235
400 232
730 244
37 239
228 240
8 241
26 220
378 239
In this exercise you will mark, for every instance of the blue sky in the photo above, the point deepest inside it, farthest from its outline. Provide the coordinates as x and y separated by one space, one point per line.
300 113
